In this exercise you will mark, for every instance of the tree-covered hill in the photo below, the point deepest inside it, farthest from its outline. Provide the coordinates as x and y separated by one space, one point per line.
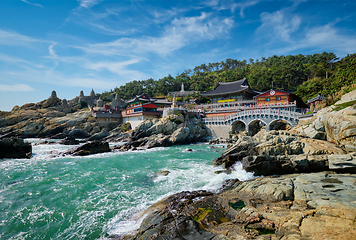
342 80
305 75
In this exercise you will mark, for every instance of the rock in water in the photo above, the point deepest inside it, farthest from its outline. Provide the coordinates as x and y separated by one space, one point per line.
69 141
14 147
89 148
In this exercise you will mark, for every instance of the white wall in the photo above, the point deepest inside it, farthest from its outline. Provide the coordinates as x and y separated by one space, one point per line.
136 120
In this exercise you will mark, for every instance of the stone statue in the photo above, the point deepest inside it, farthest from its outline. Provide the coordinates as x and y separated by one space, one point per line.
174 102
182 88
100 103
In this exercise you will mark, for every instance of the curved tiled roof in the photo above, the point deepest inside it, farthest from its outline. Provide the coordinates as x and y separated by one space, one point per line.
228 88
319 97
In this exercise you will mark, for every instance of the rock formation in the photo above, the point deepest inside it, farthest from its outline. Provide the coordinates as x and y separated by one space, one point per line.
309 206
180 128
89 148
12 147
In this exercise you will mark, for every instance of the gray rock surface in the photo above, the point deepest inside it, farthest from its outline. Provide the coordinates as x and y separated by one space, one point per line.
342 162
298 206
180 128
12 147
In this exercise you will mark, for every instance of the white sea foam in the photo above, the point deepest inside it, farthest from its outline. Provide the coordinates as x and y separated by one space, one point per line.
84 191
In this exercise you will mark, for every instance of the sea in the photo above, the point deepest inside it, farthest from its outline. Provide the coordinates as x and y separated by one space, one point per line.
98 196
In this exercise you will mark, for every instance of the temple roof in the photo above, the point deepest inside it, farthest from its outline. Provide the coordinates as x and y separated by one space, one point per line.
273 92
317 98
161 101
228 88
143 97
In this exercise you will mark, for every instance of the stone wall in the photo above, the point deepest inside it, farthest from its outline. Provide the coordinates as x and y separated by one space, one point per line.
218 131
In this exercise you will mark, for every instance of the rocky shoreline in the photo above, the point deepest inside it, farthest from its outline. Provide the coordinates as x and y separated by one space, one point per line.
297 206
307 190
310 193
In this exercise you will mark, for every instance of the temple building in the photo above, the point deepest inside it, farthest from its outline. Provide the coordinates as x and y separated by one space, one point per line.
272 97
316 100
277 98
231 93
139 109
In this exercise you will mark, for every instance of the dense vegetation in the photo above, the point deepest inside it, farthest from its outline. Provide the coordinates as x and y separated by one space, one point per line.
341 81
306 75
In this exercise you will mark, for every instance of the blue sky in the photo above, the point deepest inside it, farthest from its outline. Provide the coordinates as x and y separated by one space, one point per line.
73 45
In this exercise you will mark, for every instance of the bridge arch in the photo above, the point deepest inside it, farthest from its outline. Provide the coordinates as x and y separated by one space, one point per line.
282 124
238 126
255 125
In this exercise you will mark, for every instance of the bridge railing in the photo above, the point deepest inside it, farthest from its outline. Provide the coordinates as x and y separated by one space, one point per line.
254 112
242 105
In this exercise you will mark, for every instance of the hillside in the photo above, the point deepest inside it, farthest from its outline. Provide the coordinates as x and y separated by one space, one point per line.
305 75
342 80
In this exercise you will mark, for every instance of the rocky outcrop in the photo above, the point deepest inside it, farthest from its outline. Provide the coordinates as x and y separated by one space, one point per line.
89 148
305 206
338 127
51 118
12 147
180 128
49 123
279 152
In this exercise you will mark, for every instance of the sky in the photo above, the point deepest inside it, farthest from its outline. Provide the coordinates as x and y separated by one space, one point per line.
74 45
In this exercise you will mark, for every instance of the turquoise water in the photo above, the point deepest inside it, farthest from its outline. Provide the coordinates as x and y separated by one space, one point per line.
96 196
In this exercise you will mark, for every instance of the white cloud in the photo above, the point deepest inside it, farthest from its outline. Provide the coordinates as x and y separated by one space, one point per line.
278 26
244 5
88 3
108 21
314 39
328 37
33 4
51 51
181 32
15 88
16 39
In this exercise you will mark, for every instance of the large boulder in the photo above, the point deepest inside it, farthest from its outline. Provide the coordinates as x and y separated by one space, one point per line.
180 135
14 147
78 133
89 148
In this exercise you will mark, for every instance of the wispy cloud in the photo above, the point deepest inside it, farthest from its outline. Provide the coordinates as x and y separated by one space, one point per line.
107 21
278 26
180 33
281 34
15 88
16 39
244 5
89 3
51 51
33 4
232 5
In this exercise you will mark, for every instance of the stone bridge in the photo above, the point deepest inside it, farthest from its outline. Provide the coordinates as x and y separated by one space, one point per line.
248 117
